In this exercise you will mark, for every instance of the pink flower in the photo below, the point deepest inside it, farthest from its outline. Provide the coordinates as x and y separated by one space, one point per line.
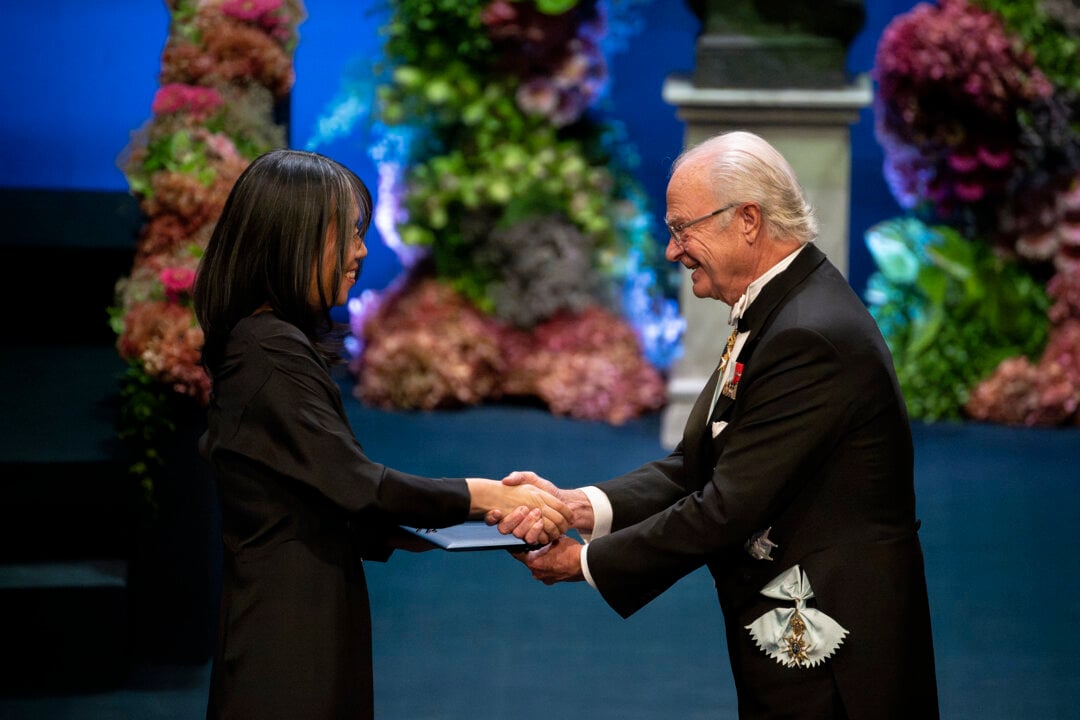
165 341
996 160
963 163
1038 246
499 12
178 282
426 347
557 57
1020 392
201 102
538 96
969 192
250 10
952 84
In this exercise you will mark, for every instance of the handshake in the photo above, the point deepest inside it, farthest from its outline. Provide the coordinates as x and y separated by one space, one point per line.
533 509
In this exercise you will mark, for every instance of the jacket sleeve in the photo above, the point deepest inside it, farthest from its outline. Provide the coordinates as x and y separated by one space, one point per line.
295 427
787 415
647 490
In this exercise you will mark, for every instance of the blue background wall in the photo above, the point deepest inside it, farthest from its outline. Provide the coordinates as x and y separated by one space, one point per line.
85 74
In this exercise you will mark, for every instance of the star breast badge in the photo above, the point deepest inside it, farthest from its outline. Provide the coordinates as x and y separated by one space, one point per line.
795 643
796 637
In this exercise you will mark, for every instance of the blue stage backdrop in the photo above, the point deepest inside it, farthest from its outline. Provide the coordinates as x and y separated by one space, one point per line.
85 75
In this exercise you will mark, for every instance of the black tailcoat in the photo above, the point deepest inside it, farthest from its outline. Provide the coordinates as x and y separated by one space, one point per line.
817 447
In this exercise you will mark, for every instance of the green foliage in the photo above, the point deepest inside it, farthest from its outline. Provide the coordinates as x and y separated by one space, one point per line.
183 20
431 33
475 157
177 152
1054 47
146 418
555 7
950 310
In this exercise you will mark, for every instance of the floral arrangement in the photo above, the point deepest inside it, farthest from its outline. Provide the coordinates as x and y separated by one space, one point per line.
225 65
510 196
978 112
1046 392
429 347
950 310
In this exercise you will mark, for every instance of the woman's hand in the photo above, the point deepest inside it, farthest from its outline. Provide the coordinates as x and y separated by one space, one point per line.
541 517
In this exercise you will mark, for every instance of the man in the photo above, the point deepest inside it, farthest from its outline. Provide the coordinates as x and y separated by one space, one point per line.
793 482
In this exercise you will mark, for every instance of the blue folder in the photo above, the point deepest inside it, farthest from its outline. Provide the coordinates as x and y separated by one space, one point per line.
471 535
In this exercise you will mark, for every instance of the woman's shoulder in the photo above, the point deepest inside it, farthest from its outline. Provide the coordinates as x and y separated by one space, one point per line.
267 325
277 339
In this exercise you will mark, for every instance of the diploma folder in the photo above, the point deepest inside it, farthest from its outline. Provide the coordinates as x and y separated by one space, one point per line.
471 535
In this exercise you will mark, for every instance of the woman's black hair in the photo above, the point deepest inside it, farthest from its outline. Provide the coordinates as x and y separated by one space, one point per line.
269 243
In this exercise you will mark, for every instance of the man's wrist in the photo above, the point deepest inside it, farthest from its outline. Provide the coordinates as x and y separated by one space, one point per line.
600 512
581 508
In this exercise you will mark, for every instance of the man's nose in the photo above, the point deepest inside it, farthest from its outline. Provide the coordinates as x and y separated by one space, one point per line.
672 251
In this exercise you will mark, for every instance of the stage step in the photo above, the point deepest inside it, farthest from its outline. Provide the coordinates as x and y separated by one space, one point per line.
65 625
66 524
65 494
89 580
60 402
76 244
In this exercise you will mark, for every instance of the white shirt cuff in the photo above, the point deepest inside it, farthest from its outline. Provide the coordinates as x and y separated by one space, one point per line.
585 565
602 512
602 515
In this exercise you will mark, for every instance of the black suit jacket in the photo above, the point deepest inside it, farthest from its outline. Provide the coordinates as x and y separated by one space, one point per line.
818 447
301 507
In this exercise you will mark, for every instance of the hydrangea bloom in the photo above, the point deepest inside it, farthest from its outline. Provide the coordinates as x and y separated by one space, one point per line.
1021 391
951 85
201 102
556 56
587 365
427 347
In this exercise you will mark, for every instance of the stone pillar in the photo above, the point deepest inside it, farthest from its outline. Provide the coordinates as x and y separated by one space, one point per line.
811 128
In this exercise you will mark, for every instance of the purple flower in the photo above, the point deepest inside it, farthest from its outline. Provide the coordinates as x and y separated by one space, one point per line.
952 85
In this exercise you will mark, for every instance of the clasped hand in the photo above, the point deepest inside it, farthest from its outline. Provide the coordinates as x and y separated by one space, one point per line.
560 559
539 516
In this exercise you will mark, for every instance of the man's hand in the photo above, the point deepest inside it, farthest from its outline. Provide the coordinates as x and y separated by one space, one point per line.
558 562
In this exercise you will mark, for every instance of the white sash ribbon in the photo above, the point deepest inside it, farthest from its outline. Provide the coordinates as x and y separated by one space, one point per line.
798 636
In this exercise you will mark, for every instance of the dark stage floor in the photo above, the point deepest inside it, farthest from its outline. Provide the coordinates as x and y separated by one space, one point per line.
470 635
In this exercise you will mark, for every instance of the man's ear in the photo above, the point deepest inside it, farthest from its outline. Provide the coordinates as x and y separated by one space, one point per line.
748 217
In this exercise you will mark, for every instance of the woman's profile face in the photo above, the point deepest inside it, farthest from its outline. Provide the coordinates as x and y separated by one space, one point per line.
354 258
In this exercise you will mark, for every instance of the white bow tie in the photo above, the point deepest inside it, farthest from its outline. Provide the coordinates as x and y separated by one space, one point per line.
737 310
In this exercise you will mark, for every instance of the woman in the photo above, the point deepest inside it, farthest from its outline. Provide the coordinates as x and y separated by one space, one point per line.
301 503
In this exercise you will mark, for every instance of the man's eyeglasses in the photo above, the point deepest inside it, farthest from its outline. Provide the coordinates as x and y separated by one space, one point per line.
675 230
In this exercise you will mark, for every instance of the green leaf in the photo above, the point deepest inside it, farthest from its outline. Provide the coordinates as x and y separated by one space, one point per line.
934 284
925 330
555 7
894 258
953 254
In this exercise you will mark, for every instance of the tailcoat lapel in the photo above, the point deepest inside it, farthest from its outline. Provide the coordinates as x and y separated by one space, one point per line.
694 432
754 320
773 294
